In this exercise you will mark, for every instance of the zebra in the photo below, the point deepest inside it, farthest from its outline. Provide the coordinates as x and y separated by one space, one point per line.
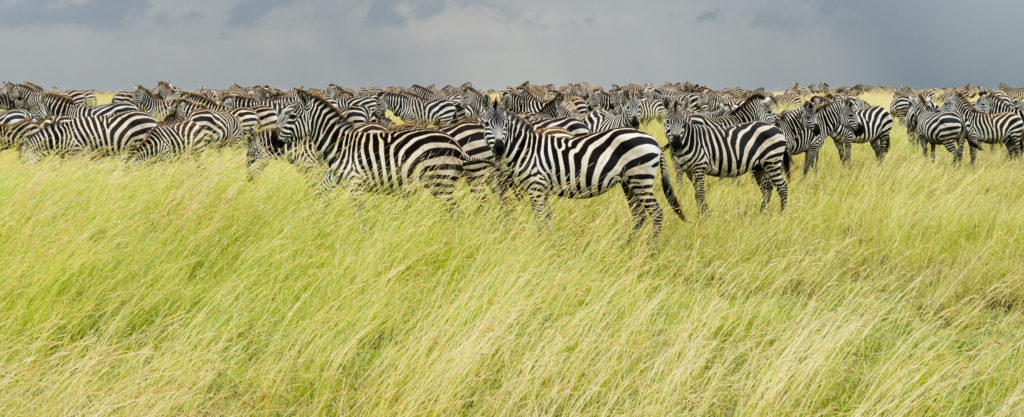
104 135
44 105
600 120
572 126
147 101
800 126
835 119
936 127
755 147
13 134
751 109
12 116
227 125
522 103
582 167
648 110
267 145
122 97
413 108
375 160
1006 128
557 107
873 126
899 106
171 140
19 93
83 97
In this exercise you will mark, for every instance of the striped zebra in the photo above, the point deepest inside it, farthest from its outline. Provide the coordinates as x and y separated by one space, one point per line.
44 105
583 167
413 108
648 110
1006 128
873 126
122 97
83 97
374 161
800 126
13 134
266 145
12 116
171 140
474 103
930 127
756 147
521 103
19 93
572 126
836 119
557 107
102 135
227 126
751 109
899 106
600 120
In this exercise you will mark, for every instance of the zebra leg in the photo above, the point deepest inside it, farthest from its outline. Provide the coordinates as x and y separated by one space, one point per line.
779 181
635 206
698 189
539 203
811 160
765 184
933 151
953 149
839 148
847 150
881 147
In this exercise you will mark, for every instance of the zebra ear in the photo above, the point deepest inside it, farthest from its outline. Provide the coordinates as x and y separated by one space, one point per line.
303 95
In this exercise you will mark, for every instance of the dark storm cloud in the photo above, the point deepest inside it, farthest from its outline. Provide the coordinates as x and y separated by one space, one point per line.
770 43
710 15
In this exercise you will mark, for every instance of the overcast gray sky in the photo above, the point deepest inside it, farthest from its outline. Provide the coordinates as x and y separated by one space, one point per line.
115 44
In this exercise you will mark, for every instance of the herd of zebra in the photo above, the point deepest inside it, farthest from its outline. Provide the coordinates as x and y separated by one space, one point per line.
532 141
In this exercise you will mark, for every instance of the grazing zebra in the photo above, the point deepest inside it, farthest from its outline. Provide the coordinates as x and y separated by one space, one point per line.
44 105
936 127
752 109
415 109
1006 128
104 135
754 147
648 110
873 126
171 140
267 145
582 167
374 160
12 116
13 134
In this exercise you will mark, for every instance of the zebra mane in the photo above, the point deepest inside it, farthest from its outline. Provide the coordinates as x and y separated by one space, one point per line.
58 96
197 98
309 96
967 103
750 100
174 102
145 90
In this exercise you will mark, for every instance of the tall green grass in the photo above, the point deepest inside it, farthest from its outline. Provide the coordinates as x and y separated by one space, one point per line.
180 289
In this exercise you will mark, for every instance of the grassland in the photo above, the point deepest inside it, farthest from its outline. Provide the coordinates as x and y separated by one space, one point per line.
180 289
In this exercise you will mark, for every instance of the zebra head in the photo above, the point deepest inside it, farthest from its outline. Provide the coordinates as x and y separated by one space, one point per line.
496 122
631 113
809 118
35 105
848 117
677 120
292 128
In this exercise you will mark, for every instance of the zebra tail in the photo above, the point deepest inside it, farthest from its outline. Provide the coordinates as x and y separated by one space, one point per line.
670 194
787 162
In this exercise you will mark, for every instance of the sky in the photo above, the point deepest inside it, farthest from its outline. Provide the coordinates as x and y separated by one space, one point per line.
116 44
